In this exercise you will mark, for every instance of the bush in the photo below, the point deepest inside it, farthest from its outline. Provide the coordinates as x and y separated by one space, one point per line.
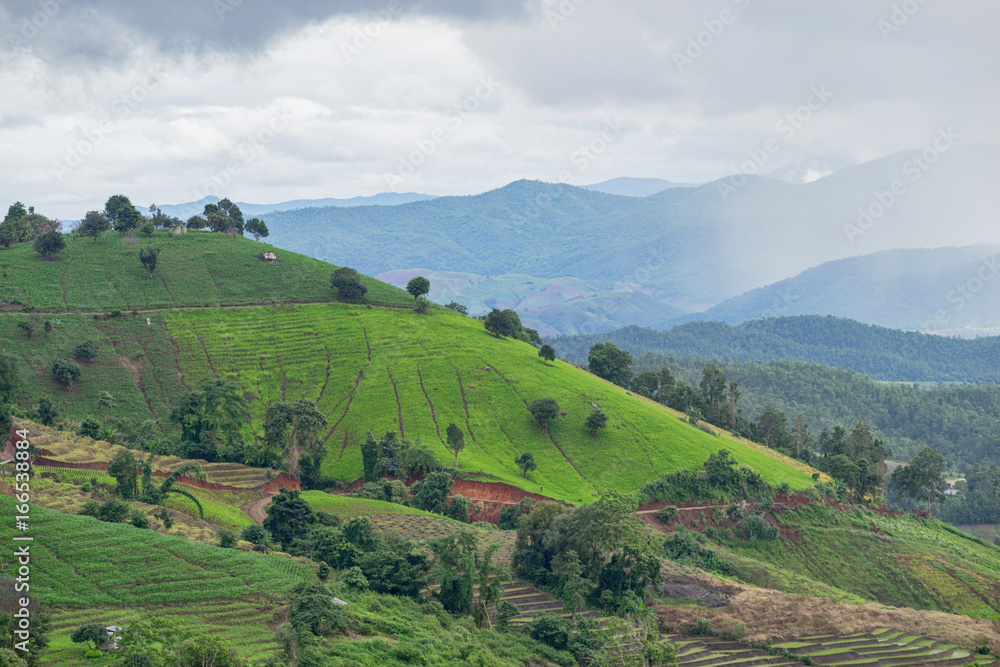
313 609
88 350
355 578
422 305
90 428
147 229
93 655
699 628
754 527
324 571
66 371
90 508
113 511
256 535
139 519
227 538
667 513
737 511
784 490
458 508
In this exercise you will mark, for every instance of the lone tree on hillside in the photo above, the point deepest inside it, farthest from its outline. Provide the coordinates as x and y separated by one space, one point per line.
292 429
66 371
147 257
456 440
457 307
606 361
526 462
94 224
257 228
544 410
47 412
123 215
94 634
547 353
502 323
418 287
348 283
48 244
596 420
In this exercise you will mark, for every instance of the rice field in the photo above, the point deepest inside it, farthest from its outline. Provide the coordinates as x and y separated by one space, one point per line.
380 369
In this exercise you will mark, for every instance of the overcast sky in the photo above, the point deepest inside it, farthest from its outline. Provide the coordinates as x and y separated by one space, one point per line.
268 101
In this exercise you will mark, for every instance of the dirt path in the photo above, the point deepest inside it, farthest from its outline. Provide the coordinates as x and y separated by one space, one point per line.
257 509
683 509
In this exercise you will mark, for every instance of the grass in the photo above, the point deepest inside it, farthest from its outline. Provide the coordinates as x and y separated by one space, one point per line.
194 269
378 369
89 570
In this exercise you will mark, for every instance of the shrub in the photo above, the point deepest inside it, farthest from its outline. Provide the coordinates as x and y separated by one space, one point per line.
93 655
667 513
227 538
422 305
88 350
719 514
737 511
90 428
66 371
324 571
139 519
256 535
147 229
90 508
313 609
113 511
699 628
754 527
458 508
766 505
784 490
355 578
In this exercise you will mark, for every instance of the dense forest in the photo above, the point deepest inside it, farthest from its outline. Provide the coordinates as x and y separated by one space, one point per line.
883 354
962 422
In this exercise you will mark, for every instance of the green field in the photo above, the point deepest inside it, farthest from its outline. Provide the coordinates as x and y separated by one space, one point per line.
194 269
382 369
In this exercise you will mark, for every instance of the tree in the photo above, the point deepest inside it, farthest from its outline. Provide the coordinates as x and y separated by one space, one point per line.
123 215
606 361
369 459
196 222
211 420
48 244
544 410
772 422
457 307
15 211
526 462
456 440
291 428
90 428
547 353
418 286
93 633
46 412
348 283
66 371
289 517
94 224
105 401
596 420
502 323
125 468
257 228
147 257
431 493
923 476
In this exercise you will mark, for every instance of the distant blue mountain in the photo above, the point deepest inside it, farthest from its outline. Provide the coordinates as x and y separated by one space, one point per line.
185 211
635 187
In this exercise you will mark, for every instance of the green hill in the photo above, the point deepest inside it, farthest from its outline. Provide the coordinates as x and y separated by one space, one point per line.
193 269
367 368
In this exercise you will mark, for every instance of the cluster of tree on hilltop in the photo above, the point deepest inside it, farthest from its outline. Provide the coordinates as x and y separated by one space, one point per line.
962 422
880 353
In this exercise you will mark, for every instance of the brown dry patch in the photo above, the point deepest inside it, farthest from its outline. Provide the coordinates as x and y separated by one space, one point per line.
770 613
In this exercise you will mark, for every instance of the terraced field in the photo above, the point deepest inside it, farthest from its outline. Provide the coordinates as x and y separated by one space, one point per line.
92 570
381 369
882 647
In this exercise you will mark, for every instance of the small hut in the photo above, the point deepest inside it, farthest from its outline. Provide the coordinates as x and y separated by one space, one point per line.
178 229
269 258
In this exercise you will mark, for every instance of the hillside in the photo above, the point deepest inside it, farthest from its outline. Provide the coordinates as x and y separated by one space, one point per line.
193 269
880 353
367 369
944 289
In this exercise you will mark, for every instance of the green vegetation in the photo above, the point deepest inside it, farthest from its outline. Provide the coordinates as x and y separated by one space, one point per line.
193 269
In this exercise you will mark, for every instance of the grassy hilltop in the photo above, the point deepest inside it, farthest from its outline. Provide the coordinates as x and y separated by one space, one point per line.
368 368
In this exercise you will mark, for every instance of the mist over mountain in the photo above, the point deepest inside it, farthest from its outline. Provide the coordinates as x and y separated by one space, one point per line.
810 169
635 187
686 248
951 290
186 210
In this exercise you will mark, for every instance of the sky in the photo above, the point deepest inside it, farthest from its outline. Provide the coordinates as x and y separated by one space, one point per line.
263 102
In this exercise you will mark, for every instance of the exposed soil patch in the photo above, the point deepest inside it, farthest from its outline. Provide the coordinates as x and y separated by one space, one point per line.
257 509
704 593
